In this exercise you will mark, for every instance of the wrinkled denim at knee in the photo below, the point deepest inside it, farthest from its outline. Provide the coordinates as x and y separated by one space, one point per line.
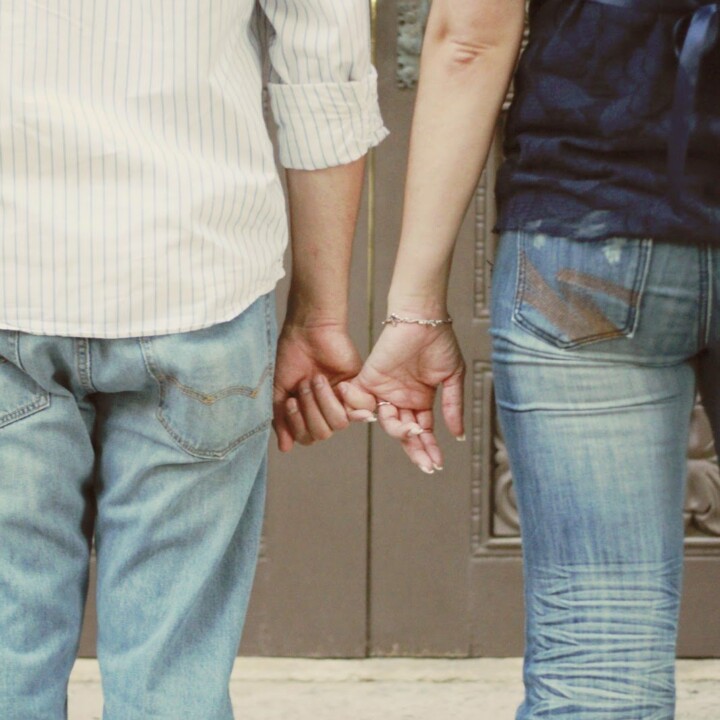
160 443
598 348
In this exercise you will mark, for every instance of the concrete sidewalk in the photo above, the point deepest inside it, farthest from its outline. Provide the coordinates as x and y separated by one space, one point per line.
390 689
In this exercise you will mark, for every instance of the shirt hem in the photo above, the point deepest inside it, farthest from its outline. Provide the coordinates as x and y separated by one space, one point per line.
77 331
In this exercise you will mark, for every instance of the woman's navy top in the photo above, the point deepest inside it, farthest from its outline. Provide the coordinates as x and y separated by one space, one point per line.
615 125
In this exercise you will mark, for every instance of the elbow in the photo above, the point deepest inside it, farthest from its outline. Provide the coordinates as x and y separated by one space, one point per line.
466 33
463 51
460 54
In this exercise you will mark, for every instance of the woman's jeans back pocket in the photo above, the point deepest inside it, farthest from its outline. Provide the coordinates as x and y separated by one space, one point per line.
572 293
215 384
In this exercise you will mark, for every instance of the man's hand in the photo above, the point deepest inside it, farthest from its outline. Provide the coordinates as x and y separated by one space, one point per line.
311 361
314 350
404 371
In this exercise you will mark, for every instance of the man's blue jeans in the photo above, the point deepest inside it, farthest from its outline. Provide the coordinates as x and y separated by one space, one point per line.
598 350
161 443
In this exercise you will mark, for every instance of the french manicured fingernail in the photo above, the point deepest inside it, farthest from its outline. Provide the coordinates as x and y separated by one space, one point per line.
414 431
427 470
438 467
304 388
318 381
461 438
370 418
362 414
292 407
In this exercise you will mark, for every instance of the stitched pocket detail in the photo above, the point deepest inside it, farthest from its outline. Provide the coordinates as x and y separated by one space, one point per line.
215 384
20 395
572 293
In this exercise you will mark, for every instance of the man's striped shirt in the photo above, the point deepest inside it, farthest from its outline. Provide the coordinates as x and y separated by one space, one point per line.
138 189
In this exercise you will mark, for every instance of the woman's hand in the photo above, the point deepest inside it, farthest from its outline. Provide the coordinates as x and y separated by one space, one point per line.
404 371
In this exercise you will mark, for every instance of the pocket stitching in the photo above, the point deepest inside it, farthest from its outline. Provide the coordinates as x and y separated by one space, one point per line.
200 452
211 399
628 327
41 402
163 380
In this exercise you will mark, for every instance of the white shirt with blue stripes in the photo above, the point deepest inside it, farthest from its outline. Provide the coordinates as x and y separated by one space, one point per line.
138 189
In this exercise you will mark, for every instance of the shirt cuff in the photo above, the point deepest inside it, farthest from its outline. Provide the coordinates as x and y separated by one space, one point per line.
321 125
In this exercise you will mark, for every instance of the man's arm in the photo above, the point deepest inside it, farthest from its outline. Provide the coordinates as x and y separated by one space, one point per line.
324 99
315 352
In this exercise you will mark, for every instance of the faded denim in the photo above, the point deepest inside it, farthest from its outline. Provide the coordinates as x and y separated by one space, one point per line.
598 348
159 444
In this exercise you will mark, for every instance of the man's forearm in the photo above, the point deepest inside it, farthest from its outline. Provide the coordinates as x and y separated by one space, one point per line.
324 207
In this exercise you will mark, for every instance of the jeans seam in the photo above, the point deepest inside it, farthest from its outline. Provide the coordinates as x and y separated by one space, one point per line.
519 277
83 363
706 289
15 340
641 279
269 332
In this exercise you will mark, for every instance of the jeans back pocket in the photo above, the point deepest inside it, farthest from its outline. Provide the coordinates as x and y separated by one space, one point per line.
215 384
572 293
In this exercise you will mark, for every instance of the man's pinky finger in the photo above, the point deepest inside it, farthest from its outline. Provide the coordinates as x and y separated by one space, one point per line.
296 422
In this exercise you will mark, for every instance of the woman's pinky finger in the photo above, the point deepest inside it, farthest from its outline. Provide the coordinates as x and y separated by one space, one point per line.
419 457
398 424
413 445
430 444
429 440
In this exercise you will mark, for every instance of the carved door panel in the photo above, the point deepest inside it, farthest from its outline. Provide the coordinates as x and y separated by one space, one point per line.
445 576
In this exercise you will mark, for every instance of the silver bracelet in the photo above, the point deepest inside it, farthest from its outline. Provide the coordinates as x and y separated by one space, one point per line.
396 320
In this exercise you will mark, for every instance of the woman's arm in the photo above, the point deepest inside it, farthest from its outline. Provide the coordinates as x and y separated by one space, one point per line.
469 54
470 51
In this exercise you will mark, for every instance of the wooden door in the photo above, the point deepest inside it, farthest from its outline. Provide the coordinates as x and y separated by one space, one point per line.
364 555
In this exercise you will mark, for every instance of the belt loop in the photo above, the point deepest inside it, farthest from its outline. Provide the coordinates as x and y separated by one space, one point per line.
709 292
84 363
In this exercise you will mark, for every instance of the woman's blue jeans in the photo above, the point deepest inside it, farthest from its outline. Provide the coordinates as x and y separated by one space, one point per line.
598 351
161 443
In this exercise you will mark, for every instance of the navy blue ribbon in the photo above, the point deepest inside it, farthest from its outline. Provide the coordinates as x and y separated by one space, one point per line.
703 29
702 34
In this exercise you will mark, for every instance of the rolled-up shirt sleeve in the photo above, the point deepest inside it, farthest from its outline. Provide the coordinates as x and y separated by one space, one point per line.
323 87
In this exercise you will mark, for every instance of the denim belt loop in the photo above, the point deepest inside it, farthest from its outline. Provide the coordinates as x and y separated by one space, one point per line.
703 24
